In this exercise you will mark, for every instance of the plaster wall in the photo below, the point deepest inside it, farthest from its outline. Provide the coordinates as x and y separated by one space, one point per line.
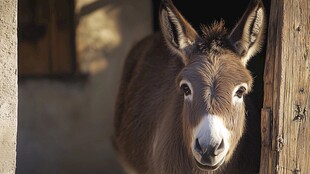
8 85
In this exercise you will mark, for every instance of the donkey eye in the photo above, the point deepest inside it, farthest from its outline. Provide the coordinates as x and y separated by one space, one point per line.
240 92
187 91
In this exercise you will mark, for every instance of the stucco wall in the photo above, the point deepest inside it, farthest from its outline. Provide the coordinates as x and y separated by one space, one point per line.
8 85
65 125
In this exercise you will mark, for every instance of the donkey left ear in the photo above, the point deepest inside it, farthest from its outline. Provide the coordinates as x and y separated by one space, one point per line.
248 35
178 33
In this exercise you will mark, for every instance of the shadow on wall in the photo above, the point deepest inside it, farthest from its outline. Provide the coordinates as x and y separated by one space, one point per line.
98 34
65 126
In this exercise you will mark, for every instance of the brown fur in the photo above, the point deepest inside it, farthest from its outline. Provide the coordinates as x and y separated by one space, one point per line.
153 123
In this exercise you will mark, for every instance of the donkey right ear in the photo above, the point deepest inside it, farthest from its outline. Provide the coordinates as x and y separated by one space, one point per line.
248 35
177 32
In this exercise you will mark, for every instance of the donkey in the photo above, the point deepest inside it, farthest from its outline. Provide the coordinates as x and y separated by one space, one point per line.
181 102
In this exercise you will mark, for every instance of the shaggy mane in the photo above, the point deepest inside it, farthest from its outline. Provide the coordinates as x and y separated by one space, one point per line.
214 38
216 31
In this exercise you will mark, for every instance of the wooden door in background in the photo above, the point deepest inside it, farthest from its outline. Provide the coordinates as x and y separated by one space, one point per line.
46 38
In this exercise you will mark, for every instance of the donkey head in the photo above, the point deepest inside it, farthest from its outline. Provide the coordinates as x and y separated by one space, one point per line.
214 80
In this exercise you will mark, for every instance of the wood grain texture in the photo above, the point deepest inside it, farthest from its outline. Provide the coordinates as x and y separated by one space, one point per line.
294 88
287 75
269 155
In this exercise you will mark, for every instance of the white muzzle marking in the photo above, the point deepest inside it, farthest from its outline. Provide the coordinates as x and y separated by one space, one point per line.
210 130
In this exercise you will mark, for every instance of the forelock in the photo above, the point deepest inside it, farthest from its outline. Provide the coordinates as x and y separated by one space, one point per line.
214 38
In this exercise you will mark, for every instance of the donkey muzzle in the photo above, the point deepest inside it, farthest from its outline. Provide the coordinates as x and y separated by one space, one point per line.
211 143
209 155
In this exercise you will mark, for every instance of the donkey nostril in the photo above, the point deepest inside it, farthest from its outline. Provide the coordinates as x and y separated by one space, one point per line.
209 150
220 148
198 147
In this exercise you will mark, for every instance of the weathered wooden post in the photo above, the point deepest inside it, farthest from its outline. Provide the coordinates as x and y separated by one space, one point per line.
8 85
285 122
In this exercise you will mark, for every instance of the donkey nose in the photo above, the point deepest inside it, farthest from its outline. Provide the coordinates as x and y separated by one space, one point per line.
206 149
